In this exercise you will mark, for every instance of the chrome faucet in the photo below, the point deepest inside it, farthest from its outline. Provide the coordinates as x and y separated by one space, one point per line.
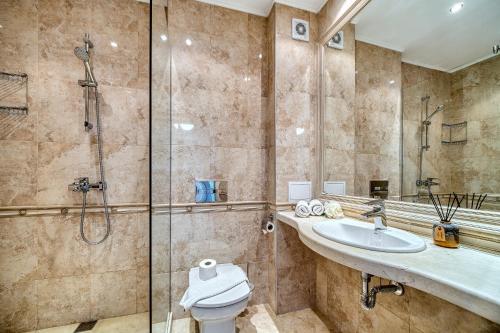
378 212
83 184
429 182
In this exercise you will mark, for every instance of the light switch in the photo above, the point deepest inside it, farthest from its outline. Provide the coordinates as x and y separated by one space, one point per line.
299 191
334 187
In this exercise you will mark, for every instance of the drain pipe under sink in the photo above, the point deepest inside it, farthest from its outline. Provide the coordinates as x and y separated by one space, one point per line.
369 297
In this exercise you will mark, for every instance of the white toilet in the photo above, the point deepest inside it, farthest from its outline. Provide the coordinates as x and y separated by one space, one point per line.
217 314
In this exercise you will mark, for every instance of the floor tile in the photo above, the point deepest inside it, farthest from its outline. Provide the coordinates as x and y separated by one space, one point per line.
137 323
61 329
261 319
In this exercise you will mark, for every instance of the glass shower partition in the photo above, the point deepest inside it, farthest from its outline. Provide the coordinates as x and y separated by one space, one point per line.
160 165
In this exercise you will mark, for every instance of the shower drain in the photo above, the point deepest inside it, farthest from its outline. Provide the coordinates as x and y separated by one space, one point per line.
85 327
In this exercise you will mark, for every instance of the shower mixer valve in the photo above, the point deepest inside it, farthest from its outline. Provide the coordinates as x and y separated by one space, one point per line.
83 184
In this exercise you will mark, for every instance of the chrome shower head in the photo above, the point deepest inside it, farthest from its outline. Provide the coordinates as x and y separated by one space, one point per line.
438 109
82 53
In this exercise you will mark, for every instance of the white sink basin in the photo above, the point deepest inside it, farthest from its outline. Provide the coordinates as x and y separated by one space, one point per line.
360 234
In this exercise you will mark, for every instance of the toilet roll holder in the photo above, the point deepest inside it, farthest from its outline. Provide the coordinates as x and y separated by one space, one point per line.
268 225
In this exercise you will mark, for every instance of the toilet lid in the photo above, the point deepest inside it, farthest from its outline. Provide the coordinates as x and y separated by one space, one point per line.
231 296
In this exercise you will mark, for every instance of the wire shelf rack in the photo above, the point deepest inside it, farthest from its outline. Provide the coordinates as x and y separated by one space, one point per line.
454 134
13 93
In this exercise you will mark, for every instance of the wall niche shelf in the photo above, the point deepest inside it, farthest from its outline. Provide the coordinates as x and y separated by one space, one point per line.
454 134
14 94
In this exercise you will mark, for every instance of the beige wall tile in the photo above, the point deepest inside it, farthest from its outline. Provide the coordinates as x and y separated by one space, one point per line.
119 251
38 38
258 274
415 311
142 285
19 310
18 172
381 320
18 250
113 294
63 301
160 297
58 165
59 247
126 170
431 314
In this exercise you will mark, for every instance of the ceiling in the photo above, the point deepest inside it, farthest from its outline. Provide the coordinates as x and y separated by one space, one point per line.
427 33
262 7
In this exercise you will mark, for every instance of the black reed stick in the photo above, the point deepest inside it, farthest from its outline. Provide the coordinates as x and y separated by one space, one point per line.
436 206
458 205
448 206
480 204
440 206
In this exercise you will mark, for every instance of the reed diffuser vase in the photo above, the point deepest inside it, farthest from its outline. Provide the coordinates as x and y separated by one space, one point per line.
445 233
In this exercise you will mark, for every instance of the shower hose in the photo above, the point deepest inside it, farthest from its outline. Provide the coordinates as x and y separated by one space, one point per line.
102 182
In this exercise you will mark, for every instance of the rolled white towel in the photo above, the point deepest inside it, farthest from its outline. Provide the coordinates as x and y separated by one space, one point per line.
333 210
302 209
316 207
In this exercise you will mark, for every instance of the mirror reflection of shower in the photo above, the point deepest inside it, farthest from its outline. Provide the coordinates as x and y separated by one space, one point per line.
83 184
424 143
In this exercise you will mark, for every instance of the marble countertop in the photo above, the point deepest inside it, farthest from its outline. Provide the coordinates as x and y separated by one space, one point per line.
466 277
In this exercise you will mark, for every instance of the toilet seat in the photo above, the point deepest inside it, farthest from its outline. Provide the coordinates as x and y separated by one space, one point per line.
229 297
217 314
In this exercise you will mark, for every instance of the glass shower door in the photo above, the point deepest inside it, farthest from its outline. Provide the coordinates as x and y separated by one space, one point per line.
160 169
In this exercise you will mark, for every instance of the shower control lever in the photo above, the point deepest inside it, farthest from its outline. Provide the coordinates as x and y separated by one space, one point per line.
83 184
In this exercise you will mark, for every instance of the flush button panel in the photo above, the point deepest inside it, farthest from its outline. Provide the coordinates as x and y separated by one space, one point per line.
210 190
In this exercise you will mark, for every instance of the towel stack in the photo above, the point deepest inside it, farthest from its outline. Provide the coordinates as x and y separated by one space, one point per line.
302 209
331 209
316 207
305 209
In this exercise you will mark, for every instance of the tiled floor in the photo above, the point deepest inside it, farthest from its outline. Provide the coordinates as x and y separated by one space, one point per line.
256 319
137 323
261 319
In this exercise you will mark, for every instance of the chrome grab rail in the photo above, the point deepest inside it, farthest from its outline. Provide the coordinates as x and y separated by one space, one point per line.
179 208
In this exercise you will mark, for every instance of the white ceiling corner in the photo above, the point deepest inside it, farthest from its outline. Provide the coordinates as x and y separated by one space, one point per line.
428 35
263 7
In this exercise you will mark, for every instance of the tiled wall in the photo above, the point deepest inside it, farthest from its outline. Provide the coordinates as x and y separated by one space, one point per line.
295 116
339 130
471 95
48 275
219 103
377 117
337 298
296 101
475 98
361 138
419 82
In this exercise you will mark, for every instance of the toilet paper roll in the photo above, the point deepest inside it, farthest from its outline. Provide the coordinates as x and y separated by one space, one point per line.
207 269
268 227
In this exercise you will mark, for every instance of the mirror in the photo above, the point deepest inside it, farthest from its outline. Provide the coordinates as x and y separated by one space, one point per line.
411 102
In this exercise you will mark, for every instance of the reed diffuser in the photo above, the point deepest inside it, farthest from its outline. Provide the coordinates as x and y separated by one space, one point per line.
445 233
